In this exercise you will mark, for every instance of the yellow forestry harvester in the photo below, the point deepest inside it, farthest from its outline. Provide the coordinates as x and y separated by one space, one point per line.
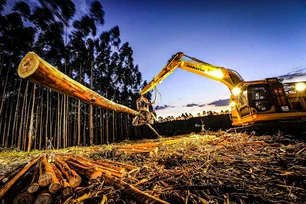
261 103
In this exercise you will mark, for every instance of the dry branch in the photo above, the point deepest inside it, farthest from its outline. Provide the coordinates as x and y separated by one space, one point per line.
132 191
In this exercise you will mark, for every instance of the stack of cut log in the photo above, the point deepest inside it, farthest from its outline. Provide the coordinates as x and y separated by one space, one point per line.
49 178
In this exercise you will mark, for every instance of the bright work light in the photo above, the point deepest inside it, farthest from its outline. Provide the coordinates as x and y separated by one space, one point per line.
300 86
236 91
233 103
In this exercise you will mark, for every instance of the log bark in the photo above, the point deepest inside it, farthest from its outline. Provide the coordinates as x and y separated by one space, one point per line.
43 198
35 69
66 188
46 173
90 169
73 178
23 198
85 170
9 184
34 186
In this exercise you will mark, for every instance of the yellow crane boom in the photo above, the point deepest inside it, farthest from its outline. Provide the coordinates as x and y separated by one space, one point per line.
226 76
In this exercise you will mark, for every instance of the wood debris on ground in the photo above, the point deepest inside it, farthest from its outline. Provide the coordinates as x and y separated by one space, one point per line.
198 168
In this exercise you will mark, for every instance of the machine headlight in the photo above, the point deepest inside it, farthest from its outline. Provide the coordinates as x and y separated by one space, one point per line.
236 91
233 103
300 86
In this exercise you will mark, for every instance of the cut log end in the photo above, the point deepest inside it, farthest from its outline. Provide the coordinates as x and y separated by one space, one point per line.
23 198
44 198
28 65
33 188
54 187
75 181
67 191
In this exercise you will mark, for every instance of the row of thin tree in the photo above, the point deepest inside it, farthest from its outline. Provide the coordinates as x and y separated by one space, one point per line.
31 116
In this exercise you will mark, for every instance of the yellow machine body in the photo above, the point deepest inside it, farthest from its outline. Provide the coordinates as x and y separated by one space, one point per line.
252 102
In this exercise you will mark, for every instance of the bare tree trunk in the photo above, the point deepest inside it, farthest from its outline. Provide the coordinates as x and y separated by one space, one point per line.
5 85
76 141
41 118
84 126
30 134
15 123
47 116
25 132
5 136
91 126
106 121
21 124
9 126
114 127
36 126
64 122
79 122
101 126
58 122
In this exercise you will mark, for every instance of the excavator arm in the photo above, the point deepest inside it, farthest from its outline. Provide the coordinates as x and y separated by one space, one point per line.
226 76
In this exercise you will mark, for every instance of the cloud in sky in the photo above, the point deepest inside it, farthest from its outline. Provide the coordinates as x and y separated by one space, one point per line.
193 108
220 102
162 107
300 72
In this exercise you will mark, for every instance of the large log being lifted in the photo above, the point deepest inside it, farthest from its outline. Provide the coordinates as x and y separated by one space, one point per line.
38 71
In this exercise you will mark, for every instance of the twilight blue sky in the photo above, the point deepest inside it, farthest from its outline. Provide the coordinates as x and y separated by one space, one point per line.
259 39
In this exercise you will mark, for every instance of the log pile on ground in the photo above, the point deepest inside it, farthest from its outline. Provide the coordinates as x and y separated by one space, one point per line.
207 168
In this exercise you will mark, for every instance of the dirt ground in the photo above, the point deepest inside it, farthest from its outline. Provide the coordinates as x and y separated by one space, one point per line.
210 167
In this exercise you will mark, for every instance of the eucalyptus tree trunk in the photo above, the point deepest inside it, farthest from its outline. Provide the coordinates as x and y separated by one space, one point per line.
5 85
41 118
64 122
114 127
5 136
58 145
79 111
36 126
9 126
47 116
101 126
91 126
15 122
84 126
30 133
25 133
106 121
21 124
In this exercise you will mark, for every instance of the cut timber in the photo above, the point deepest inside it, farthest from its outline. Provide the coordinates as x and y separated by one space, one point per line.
34 186
66 188
23 198
47 176
43 198
10 183
86 170
90 169
38 71
73 178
